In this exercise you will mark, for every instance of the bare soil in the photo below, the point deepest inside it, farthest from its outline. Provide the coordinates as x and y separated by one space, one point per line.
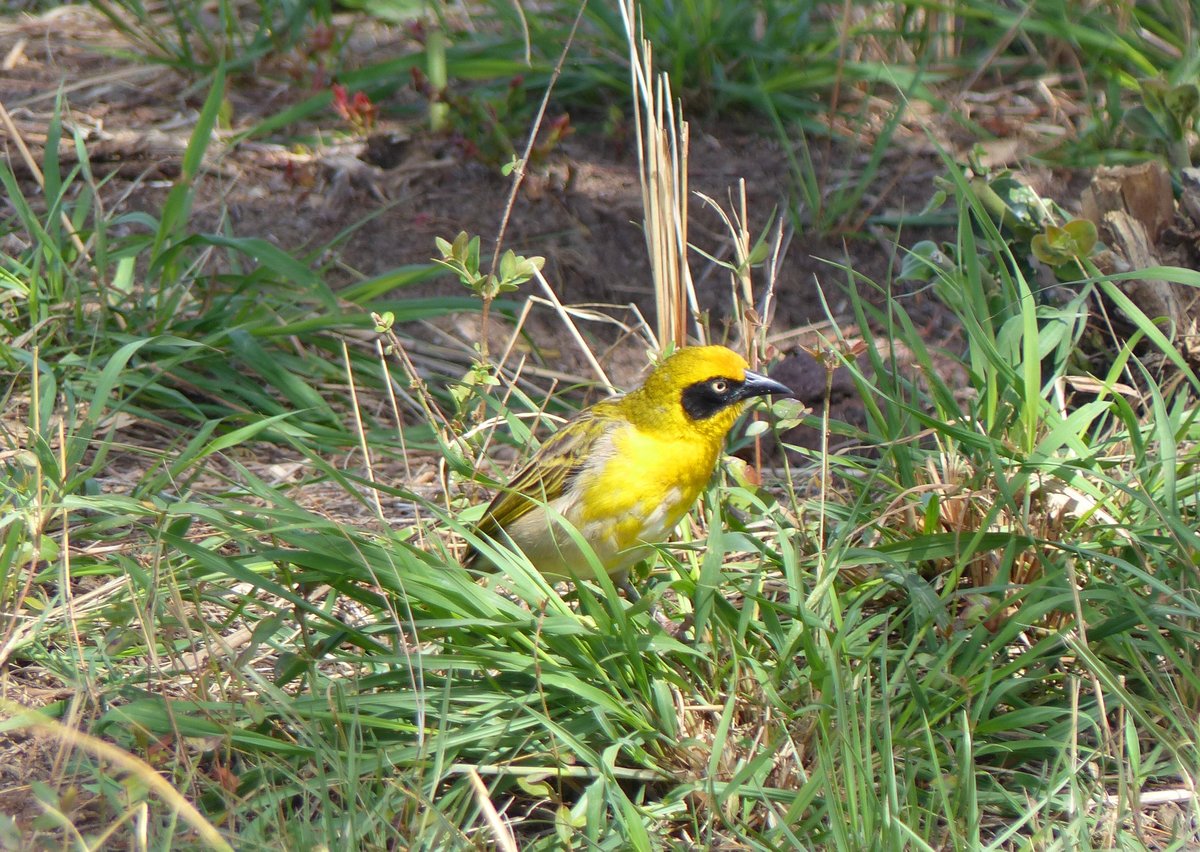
580 210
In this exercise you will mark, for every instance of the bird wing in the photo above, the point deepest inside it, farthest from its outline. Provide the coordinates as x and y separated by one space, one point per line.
550 473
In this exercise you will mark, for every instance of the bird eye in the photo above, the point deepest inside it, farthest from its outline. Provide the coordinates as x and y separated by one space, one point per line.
720 385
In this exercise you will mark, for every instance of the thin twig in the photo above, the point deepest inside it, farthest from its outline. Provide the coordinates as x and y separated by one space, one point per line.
574 331
519 171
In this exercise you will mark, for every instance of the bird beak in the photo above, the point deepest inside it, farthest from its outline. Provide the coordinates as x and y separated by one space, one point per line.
755 384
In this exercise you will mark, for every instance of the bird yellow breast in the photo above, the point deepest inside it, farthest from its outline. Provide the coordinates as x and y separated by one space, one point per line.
646 487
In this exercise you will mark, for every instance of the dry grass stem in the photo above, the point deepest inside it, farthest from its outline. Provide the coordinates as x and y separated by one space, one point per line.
662 143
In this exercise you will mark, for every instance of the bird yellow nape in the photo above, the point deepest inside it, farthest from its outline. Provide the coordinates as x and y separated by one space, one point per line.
622 474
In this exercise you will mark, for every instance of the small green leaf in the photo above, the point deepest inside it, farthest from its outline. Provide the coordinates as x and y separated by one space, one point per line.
1154 91
225 114
789 413
1142 123
1182 103
471 259
511 166
123 280
759 251
1056 246
508 262
535 785
562 826
1083 233
756 428
922 261
935 202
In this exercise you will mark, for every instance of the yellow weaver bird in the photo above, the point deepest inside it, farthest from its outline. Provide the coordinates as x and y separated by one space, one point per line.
625 471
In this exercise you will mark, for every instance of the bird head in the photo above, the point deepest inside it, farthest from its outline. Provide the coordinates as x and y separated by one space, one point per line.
699 389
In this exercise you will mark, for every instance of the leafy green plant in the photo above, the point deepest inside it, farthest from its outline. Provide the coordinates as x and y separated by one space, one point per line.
1056 246
462 258
1002 204
1167 117
184 36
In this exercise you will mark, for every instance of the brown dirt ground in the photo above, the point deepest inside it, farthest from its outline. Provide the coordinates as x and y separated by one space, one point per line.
580 211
